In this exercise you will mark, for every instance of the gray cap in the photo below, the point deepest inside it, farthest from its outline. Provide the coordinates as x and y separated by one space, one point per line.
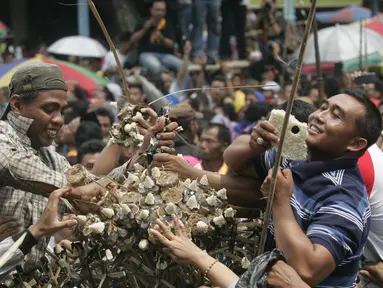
36 77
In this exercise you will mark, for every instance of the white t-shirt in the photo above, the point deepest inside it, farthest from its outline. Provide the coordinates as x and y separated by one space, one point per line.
371 168
110 62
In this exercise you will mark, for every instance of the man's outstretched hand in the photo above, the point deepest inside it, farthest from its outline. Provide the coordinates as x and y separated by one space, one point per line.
49 223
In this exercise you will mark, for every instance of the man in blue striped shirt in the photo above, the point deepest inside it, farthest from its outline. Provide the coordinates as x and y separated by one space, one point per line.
320 211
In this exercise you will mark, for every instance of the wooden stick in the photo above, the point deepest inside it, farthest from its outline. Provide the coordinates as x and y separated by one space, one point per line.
113 49
284 128
318 63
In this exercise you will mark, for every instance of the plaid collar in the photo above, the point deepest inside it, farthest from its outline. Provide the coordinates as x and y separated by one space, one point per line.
21 125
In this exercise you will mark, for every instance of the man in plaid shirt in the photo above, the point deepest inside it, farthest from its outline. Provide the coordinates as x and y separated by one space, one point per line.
29 170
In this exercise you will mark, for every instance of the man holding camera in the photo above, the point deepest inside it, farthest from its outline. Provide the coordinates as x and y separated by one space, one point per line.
271 23
155 39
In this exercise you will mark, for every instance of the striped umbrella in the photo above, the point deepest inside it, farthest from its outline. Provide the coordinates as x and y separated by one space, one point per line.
375 24
72 72
345 15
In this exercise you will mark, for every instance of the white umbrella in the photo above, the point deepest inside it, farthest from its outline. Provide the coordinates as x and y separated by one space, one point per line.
342 42
78 46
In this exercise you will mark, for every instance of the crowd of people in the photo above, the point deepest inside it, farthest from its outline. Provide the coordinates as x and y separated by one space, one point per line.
327 212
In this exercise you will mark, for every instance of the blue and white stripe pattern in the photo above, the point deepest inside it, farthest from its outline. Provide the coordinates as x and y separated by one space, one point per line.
330 205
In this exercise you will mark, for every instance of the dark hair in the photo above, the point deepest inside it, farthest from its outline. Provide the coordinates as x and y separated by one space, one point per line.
300 110
156 1
229 111
104 112
89 147
370 125
235 75
194 103
218 77
224 134
256 111
87 130
109 95
125 37
80 108
332 86
136 85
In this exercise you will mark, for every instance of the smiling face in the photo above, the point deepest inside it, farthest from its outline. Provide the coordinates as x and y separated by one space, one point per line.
46 111
332 129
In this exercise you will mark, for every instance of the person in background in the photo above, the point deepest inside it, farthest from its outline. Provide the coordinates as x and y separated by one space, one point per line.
137 95
4 97
233 23
225 115
185 17
285 94
374 91
8 57
213 97
214 140
106 120
156 41
371 168
270 90
206 12
109 67
89 152
239 95
272 23
255 111
185 116
88 130
181 82
314 94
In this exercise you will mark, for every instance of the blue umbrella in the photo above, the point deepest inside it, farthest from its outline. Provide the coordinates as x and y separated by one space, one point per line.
345 15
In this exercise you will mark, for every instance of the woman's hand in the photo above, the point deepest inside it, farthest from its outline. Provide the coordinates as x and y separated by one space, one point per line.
181 249
172 163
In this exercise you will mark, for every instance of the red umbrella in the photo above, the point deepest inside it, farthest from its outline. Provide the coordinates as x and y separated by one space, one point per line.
375 25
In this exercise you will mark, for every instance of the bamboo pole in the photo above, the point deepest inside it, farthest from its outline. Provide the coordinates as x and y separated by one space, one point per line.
113 49
284 128
318 63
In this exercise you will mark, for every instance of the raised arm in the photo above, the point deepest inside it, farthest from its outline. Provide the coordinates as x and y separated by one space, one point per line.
314 254
238 154
241 191
137 36
184 66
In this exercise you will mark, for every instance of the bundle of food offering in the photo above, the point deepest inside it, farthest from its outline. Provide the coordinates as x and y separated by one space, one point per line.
114 248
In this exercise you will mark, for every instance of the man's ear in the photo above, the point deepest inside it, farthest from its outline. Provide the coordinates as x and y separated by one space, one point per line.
15 103
357 144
